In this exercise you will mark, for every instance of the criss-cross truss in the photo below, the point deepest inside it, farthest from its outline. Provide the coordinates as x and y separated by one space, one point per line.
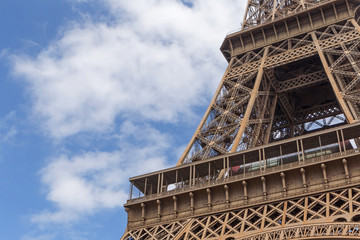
286 89
334 214
262 11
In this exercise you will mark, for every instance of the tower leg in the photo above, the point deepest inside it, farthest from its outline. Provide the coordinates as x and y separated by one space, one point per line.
332 80
254 93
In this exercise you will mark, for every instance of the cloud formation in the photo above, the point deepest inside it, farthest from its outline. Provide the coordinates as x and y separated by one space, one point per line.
151 63
154 61
83 184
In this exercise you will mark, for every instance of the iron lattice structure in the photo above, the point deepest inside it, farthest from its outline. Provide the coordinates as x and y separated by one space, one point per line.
281 91
269 159
253 222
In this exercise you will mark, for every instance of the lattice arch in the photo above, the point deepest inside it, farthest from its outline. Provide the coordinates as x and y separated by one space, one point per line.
313 231
305 217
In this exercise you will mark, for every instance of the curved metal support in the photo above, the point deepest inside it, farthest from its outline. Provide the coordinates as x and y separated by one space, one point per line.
312 231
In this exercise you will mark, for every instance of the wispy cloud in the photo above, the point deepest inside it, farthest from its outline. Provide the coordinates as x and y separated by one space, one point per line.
82 184
8 129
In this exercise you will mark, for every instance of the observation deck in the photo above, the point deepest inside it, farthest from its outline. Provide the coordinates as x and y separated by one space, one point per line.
317 162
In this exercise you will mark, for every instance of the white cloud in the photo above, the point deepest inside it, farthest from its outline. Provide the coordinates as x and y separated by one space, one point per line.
151 63
8 130
157 61
83 184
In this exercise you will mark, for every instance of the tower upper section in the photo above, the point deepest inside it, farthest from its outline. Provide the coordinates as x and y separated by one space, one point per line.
263 11
293 67
267 22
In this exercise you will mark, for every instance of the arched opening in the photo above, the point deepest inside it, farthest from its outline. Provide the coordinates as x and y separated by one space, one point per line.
230 238
356 218
340 220
357 14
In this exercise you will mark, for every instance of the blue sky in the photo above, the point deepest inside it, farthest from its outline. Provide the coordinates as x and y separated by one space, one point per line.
92 93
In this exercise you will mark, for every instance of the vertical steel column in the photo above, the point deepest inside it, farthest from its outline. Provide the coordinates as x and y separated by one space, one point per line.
146 180
158 185
162 182
209 172
272 113
131 190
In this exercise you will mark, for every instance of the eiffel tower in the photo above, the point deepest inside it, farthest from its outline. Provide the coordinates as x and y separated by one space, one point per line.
277 153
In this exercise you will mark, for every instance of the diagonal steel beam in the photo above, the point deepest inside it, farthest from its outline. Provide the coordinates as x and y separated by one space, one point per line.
332 80
250 105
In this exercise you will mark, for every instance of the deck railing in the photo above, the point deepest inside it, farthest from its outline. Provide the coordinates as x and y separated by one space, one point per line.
340 142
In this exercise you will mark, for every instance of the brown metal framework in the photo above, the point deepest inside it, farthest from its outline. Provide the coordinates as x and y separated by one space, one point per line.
276 153
307 217
281 90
